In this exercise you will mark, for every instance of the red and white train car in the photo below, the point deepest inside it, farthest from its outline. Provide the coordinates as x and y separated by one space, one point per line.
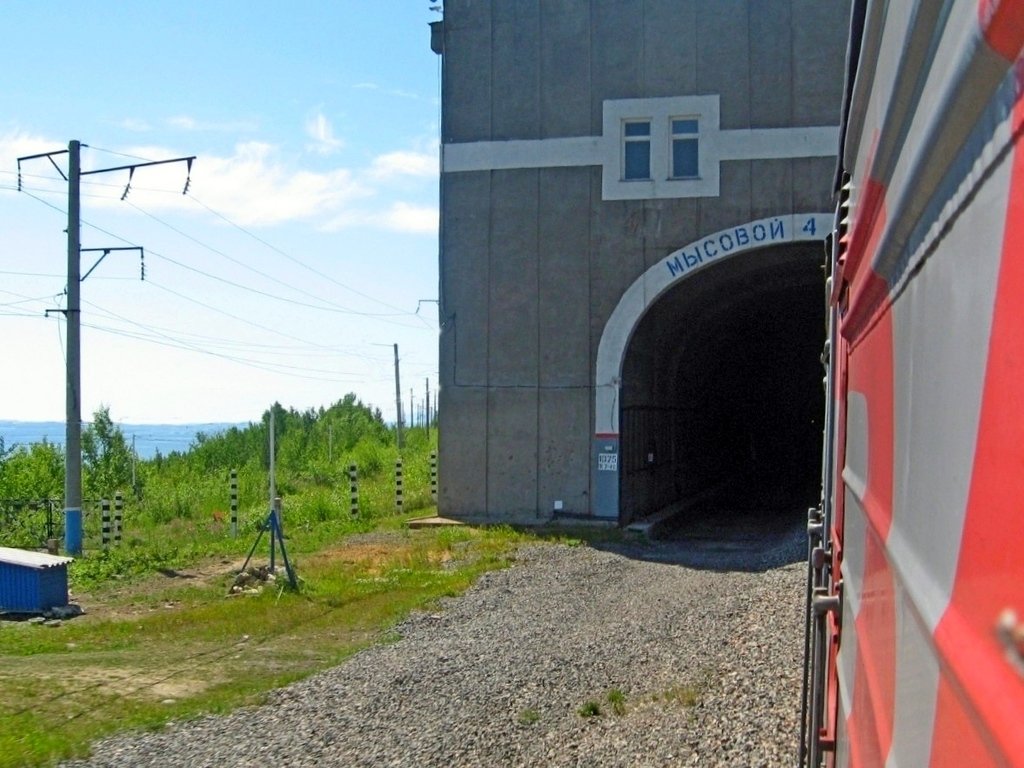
916 582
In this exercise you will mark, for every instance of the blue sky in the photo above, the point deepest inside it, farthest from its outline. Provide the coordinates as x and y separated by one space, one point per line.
305 243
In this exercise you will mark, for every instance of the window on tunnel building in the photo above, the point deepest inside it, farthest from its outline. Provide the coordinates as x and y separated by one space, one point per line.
636 155
684 148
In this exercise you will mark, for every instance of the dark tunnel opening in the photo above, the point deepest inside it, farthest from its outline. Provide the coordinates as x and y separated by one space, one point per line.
722 399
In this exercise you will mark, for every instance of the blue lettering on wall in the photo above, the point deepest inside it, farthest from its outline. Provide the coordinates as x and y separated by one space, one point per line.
739 237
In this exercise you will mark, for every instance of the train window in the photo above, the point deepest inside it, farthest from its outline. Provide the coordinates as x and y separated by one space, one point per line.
636 155
684 148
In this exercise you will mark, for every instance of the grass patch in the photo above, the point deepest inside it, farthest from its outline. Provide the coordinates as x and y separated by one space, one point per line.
617 700
528 716
687 695
591 708
172 646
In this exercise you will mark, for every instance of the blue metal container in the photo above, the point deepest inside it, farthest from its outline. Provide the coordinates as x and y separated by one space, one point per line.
32 582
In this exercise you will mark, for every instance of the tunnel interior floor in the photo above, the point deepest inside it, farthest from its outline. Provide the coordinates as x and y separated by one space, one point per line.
710 537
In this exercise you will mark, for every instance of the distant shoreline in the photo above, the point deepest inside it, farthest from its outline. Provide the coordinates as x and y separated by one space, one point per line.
149 438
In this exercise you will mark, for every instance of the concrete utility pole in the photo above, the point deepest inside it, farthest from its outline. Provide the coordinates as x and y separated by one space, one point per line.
398 400
427 410
73 389
273 456
73 401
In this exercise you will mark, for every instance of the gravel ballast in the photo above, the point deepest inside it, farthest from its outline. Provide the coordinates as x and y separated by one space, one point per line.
686 667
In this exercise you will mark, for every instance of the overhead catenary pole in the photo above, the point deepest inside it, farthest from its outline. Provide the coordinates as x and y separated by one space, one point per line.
426 421
73 393
72 314
398 400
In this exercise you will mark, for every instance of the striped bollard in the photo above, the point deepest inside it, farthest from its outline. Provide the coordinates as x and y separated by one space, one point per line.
353 490
118 517
433 476
234 503
398 486
105 523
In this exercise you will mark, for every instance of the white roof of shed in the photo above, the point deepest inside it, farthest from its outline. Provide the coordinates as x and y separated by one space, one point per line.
31 559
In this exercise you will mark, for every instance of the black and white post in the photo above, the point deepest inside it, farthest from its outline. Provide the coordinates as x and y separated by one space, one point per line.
118 517
398 486
353 489
433 476
105 523
234 503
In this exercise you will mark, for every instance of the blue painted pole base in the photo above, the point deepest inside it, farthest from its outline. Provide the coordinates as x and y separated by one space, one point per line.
73 531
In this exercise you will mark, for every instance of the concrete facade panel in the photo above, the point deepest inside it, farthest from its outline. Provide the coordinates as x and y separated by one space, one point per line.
465 277
729 210
512 454
467 80
513 289
467 14
771 70
617 73
564 450
812 182
670 47
723 58
816 99
771 183
564 277
462 452
515 61
674 225
565 71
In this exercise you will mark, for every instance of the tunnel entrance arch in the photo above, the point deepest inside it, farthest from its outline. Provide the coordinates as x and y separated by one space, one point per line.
699 310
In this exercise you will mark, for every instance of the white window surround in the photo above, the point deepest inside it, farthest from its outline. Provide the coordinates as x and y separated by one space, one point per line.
660 112
715 147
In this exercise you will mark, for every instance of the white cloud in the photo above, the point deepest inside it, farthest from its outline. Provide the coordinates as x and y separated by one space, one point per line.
319 129
253 186
399 217
404 163
135 124
419 219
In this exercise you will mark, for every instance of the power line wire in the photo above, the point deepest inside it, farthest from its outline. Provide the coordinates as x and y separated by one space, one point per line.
170 341
291 258
239 262
374 316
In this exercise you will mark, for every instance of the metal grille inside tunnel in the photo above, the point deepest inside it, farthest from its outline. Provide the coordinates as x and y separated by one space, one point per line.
722 400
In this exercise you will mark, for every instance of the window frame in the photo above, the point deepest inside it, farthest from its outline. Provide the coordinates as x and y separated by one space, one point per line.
683 136
634 140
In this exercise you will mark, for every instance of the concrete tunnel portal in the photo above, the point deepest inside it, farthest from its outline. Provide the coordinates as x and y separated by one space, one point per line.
722 404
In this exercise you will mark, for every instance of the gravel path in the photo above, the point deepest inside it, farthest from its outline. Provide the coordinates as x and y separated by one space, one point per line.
708 664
